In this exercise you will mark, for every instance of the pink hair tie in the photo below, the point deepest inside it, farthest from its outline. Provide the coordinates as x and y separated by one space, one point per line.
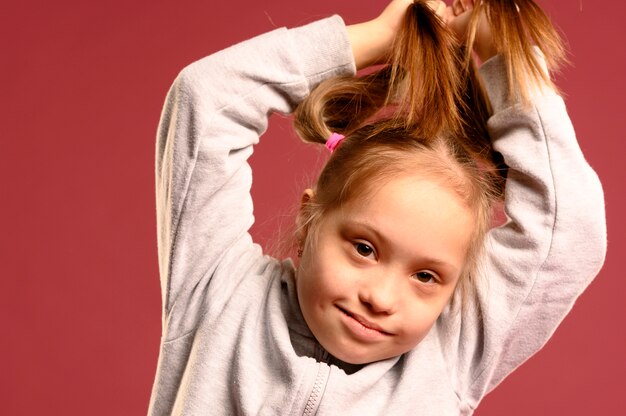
333 141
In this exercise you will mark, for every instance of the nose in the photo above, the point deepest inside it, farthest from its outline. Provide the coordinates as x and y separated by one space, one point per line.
380 294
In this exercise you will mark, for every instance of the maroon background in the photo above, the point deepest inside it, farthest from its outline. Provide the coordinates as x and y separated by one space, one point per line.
82 88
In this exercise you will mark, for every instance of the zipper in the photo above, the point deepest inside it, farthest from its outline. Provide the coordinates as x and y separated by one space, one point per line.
323 370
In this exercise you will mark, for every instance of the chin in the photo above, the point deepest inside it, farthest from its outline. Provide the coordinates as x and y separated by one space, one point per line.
351 357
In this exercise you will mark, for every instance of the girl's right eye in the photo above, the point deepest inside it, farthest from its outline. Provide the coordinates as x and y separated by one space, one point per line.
364 249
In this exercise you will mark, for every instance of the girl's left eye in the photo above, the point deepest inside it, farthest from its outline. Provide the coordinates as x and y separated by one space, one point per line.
363 249
425 277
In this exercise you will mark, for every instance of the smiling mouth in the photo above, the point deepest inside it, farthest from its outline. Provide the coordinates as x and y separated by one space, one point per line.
364 322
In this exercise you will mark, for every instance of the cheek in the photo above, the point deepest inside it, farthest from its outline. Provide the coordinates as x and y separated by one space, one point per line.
317 278
419 320
321 280
415 333
310 280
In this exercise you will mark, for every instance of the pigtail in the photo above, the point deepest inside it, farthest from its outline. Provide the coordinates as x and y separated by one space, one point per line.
341 105
425 74
517 25
474 110
417 87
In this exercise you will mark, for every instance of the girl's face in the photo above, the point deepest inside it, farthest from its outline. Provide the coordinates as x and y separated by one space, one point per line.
382 269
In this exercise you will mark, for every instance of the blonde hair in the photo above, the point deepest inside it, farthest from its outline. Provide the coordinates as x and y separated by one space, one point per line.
425 112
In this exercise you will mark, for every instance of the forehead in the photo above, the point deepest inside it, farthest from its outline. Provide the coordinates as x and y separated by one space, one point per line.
416 216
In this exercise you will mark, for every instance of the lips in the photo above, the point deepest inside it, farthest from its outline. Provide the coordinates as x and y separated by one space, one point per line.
367 324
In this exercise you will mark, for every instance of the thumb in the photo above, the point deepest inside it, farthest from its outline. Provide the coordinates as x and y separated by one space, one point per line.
459 17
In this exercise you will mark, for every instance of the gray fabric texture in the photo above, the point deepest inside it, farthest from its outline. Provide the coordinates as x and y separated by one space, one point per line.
234 340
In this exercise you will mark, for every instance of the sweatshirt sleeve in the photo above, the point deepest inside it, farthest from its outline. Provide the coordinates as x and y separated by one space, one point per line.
551 246
214 113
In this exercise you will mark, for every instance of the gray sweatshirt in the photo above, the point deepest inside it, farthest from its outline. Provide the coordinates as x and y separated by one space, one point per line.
234 340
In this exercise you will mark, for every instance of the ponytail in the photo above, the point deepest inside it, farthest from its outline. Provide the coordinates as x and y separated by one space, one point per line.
341 105
425 73
417 87
517 25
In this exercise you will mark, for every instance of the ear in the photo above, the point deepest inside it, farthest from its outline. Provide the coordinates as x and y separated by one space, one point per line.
303 214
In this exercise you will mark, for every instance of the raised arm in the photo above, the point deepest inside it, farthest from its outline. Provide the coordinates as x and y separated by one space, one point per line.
554 242
214 113
552 245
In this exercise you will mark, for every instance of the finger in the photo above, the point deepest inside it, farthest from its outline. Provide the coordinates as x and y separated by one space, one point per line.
441 9
468 4
437 6
458 7
448 14
461 6
433 4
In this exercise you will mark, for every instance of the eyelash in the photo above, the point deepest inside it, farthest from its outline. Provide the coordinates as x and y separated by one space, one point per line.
432 278
360 245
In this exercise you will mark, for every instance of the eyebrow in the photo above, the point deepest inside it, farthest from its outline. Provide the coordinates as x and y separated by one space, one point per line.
386 241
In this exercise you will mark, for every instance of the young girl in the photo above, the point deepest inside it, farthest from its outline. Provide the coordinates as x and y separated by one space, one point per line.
402 301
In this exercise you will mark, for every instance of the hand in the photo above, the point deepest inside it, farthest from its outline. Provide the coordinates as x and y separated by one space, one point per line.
458 17
372 40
